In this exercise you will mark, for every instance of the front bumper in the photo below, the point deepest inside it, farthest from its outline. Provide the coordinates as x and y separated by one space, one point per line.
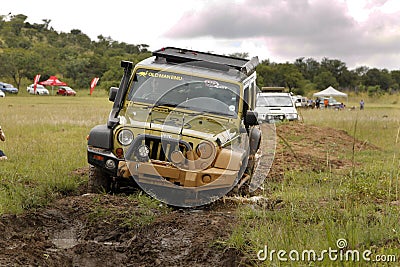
164 174
272 118
103 159
161 173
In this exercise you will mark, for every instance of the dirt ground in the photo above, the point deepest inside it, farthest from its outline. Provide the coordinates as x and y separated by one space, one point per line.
94 230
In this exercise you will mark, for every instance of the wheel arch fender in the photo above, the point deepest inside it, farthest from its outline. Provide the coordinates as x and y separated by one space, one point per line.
101 136
254 139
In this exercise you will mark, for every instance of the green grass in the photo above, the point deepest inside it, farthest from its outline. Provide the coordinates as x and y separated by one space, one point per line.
360 204
45 142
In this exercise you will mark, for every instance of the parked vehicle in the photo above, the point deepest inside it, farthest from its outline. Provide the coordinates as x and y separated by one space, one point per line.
66 91
332 103
8 88
2 94
40 89
300 101
275 107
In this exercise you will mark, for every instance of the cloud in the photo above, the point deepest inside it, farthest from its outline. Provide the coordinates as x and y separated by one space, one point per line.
292 29
254 18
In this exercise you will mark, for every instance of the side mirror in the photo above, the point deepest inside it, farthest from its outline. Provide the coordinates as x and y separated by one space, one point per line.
251 118
113 93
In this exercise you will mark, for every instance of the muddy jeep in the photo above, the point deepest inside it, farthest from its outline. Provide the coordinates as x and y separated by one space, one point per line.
182 128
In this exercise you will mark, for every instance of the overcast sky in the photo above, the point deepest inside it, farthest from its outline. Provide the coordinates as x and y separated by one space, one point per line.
357 32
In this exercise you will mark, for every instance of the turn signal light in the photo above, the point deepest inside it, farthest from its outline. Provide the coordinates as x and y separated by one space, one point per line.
98 157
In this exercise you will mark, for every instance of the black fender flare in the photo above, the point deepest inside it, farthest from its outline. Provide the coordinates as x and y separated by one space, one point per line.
101 136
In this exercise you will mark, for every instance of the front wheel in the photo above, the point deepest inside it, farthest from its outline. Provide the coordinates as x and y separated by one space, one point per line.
99 181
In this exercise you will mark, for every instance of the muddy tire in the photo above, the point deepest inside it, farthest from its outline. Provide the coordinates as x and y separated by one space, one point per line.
99 181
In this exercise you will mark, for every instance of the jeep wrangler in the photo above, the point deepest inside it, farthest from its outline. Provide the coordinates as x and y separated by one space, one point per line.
182 128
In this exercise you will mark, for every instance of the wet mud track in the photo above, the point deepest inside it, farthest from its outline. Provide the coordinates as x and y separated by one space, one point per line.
116 230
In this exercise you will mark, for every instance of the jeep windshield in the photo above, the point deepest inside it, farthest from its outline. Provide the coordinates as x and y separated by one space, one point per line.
162 88
274 101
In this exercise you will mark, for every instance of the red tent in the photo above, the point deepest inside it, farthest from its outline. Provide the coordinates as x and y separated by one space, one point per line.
53 81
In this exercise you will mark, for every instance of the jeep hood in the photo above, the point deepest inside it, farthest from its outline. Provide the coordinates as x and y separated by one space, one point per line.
175 123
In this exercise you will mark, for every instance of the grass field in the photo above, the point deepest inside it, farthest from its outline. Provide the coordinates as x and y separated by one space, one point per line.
360 205
46 142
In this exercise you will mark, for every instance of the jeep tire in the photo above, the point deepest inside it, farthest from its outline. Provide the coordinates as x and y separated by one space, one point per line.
99 181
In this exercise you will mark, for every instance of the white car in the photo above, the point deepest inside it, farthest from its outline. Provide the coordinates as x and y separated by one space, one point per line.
40 89
299 101
275 107
2 94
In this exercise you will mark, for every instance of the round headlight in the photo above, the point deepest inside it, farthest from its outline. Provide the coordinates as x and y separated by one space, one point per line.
125 137
143 151
205 150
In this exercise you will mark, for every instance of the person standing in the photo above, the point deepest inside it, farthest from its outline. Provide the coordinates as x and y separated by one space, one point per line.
317 102
2 138
326 103
362 104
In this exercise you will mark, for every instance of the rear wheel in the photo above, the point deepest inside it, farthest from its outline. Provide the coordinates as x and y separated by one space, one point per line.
99 181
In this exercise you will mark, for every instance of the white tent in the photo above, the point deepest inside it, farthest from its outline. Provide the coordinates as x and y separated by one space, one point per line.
330 92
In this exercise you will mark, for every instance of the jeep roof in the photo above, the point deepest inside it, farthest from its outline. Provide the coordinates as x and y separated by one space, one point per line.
206 64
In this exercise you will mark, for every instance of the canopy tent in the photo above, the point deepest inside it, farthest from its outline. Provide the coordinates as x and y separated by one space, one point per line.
53 81
330 92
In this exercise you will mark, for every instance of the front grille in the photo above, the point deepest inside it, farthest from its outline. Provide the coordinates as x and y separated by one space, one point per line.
159 148
275 117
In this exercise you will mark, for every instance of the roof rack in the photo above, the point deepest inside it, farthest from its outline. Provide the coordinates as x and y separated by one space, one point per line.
179 55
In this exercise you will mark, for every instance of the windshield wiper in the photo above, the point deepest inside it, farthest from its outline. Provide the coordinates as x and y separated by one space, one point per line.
159 104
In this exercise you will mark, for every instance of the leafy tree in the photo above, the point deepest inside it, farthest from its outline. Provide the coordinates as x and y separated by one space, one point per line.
308 67
348 79
382 78
83 68
335 67
361 71
265 75
18 63
143 48
313 68
240 55
289 76
17 22
325 79
79 39
396 79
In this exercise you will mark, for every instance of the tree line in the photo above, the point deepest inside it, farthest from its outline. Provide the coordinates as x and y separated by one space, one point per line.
28 49
307 74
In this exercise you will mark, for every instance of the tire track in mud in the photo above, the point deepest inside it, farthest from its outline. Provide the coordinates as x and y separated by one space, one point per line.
78 231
